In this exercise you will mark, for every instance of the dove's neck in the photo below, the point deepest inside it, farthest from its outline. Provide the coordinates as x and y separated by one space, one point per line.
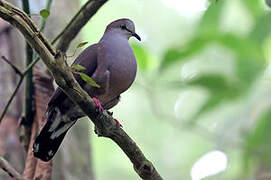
114 36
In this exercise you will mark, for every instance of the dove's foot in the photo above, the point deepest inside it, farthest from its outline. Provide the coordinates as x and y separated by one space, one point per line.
117 123
98 104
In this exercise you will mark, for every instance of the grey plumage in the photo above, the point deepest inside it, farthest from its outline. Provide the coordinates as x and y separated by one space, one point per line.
112 64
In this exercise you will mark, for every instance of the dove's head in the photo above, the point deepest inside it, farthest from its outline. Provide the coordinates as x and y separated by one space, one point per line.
123 26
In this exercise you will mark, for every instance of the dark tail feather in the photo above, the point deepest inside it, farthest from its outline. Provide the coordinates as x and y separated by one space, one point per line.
51 135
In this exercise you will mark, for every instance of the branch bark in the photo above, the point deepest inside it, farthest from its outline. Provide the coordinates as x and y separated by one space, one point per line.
55 62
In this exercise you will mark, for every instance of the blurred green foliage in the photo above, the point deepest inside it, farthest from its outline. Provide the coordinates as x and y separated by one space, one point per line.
258 144
250 61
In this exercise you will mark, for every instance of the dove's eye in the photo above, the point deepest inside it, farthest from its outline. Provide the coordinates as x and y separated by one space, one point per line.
123 27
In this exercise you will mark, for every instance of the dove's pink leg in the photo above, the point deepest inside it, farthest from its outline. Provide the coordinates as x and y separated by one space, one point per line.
98 104
100 109
117 123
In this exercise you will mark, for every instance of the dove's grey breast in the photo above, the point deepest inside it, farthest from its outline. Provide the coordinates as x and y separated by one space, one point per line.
121 63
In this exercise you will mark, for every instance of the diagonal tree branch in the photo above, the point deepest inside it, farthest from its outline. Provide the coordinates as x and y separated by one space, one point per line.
76 24
14 67
55 62
28 68
9 169
11 98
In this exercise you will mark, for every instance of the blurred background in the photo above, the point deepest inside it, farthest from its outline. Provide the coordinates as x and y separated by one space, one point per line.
200 107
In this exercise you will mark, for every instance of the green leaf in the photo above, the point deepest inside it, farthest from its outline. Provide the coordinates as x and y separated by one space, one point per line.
220 88
78 67
88 79
174 55
250 60
78 46
213 101
215 83
82 44
254 6
211 18
258 144
207 29
261 29
44 13
250 63
241 46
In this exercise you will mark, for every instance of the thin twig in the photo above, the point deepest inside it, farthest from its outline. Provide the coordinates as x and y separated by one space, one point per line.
9 169
78 21
14 67
42 26
11 98
28 68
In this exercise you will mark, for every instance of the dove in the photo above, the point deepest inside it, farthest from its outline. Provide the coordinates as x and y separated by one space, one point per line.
111 63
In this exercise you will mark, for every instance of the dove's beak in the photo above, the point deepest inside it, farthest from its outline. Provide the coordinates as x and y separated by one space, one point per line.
136 36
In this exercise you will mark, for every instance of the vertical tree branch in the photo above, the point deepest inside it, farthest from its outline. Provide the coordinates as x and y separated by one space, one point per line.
29 86
42 26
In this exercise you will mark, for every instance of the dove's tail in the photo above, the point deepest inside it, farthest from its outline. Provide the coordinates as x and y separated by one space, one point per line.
52 134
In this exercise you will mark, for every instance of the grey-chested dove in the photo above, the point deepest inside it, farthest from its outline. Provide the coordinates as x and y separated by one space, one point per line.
111 63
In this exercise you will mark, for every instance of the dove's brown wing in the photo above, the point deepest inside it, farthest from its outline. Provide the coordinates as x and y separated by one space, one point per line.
88 59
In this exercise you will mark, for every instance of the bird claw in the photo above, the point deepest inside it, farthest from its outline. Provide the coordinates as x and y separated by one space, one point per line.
118 123
100 109
98 104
